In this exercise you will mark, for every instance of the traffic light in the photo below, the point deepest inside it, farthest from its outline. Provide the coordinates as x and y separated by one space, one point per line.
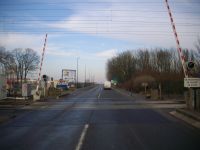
190 65
45 77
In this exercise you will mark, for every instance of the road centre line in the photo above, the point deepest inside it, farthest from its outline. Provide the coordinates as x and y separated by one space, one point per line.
82 137
99 93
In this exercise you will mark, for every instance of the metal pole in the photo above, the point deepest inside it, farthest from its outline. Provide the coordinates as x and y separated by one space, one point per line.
62 74
85 75
77 73
195 99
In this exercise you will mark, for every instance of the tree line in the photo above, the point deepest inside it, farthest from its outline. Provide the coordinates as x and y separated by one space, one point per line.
19 62
133 68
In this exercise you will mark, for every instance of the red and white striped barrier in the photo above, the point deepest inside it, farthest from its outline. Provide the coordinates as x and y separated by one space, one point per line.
182 57
41 63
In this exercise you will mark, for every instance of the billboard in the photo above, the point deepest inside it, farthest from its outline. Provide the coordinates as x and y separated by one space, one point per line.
69 75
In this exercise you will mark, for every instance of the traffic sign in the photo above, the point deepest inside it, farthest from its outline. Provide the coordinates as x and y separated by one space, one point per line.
192 82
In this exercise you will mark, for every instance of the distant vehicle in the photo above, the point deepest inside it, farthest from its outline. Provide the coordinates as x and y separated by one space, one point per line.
62 86
107 85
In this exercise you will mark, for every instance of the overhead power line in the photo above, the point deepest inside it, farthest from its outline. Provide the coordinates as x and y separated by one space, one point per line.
113 19
24 17
99 23
104 31
93 10
18 22
100 2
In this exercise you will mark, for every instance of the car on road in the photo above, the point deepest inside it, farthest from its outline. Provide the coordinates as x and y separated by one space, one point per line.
107 85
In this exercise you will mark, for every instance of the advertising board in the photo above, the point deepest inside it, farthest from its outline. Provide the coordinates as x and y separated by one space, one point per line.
69 75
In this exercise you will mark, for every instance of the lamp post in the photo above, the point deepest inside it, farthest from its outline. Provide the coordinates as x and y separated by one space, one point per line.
77 74
85 75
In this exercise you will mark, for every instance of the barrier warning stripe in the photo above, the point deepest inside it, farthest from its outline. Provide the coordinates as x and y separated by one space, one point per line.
182 57
41 63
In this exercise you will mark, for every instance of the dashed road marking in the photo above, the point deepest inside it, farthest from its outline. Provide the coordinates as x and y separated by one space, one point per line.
82 137
99 93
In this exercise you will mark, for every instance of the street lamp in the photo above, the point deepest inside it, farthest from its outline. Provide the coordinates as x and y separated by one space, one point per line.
85 75
77 73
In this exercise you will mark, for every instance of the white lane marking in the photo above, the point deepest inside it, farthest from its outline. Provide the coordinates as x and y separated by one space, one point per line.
82 137
100 93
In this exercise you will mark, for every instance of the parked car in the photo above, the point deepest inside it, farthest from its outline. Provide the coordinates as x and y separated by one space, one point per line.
62 86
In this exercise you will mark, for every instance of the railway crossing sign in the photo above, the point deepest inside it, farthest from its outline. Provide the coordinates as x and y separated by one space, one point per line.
192 82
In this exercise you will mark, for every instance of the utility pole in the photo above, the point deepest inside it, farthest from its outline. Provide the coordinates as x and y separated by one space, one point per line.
85 74
93 79
89 77
77 74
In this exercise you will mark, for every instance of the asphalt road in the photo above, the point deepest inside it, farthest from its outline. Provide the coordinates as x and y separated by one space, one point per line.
96 119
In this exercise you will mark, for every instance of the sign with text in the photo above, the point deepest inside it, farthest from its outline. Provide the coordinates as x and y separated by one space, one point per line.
69 75
192 82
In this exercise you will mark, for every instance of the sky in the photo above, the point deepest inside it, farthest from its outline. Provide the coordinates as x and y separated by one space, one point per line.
94 31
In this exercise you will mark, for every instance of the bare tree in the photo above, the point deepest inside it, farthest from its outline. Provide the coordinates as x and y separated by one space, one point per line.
143 59
18 56
31 61
163 60
7 59
122 67
26 61
5 55
197 55
198 45
161 64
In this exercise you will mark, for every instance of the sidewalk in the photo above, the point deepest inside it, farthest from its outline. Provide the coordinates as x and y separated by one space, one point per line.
190 117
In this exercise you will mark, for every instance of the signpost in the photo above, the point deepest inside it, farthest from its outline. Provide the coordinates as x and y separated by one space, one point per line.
194 85
192 82
144 84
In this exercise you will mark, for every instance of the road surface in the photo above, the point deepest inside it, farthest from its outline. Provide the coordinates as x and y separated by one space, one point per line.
97 119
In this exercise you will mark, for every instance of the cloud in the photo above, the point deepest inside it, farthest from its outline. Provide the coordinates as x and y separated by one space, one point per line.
107 53
140 25
58 51
15 40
